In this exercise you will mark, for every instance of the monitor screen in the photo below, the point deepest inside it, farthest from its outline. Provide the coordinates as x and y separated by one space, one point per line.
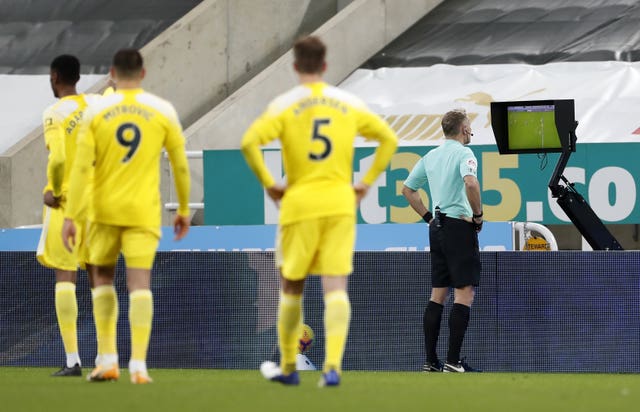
532 127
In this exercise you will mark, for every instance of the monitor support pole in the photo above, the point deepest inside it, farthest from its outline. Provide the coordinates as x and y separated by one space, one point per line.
576 208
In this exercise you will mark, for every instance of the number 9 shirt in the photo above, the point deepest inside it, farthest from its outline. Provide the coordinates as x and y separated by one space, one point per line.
121 142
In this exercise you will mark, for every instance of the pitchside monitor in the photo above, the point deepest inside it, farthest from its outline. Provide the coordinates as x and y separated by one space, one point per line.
533 126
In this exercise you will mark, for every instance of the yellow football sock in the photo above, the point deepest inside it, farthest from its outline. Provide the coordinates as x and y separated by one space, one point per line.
289 328
105 316
337 315
140 319
67 313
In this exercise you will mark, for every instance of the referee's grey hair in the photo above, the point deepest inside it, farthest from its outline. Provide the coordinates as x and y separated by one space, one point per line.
452 121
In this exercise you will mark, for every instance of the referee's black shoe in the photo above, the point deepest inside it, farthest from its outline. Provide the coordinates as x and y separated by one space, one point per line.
75 370
460 366
433 366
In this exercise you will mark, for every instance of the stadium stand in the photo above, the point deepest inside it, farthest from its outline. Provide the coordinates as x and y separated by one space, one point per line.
32 32
462 32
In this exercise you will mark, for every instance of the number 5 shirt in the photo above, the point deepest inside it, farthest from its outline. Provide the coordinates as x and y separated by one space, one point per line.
317 125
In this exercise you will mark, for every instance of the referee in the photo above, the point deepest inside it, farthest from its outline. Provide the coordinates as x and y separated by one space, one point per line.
451 170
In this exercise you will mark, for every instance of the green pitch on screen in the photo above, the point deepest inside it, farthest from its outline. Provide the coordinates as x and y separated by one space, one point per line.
533 130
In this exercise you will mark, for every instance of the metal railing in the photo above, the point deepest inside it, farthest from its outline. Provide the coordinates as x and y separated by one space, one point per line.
173 206
524 230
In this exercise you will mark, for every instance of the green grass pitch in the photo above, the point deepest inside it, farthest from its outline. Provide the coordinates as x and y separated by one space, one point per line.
182 390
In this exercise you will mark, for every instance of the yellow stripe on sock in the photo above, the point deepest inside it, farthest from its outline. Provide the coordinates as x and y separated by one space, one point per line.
337 316
140 320
105 316
289 329
67 314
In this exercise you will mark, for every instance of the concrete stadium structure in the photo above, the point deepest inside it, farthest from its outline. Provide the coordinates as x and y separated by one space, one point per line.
220 64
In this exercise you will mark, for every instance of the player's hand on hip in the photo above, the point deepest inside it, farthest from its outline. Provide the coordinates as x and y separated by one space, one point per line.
361 190
181 226
276 192
69 234
51 200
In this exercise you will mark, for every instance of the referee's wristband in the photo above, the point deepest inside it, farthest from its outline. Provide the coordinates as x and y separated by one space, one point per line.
478 216
427 217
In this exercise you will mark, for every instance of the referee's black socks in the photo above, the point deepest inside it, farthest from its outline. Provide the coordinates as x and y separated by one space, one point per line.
431 327
458 322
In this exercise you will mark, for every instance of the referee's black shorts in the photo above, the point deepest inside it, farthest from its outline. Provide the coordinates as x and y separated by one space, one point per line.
455 256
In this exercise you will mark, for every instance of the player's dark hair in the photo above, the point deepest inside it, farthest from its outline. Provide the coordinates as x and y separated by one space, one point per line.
452 122
68 69
309 53
127 63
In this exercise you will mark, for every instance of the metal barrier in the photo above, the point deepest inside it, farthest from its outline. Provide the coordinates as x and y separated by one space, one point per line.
173 206
524 230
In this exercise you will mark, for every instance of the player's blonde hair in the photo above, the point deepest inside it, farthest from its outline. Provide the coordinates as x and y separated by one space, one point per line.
452 122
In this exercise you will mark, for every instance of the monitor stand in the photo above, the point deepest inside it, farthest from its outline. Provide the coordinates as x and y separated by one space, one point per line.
577 209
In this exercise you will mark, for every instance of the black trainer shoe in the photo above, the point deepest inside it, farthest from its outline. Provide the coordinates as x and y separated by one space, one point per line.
75 370
432 366
461 366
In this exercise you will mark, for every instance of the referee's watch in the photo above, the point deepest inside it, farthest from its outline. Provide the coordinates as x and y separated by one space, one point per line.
477 225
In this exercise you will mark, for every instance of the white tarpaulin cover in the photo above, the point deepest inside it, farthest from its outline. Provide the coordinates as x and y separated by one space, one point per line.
22 101
413 100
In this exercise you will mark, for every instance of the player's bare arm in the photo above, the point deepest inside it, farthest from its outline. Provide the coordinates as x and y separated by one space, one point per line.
472 188
414 199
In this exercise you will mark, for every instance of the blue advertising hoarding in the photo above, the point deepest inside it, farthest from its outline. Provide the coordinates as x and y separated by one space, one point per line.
495 236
